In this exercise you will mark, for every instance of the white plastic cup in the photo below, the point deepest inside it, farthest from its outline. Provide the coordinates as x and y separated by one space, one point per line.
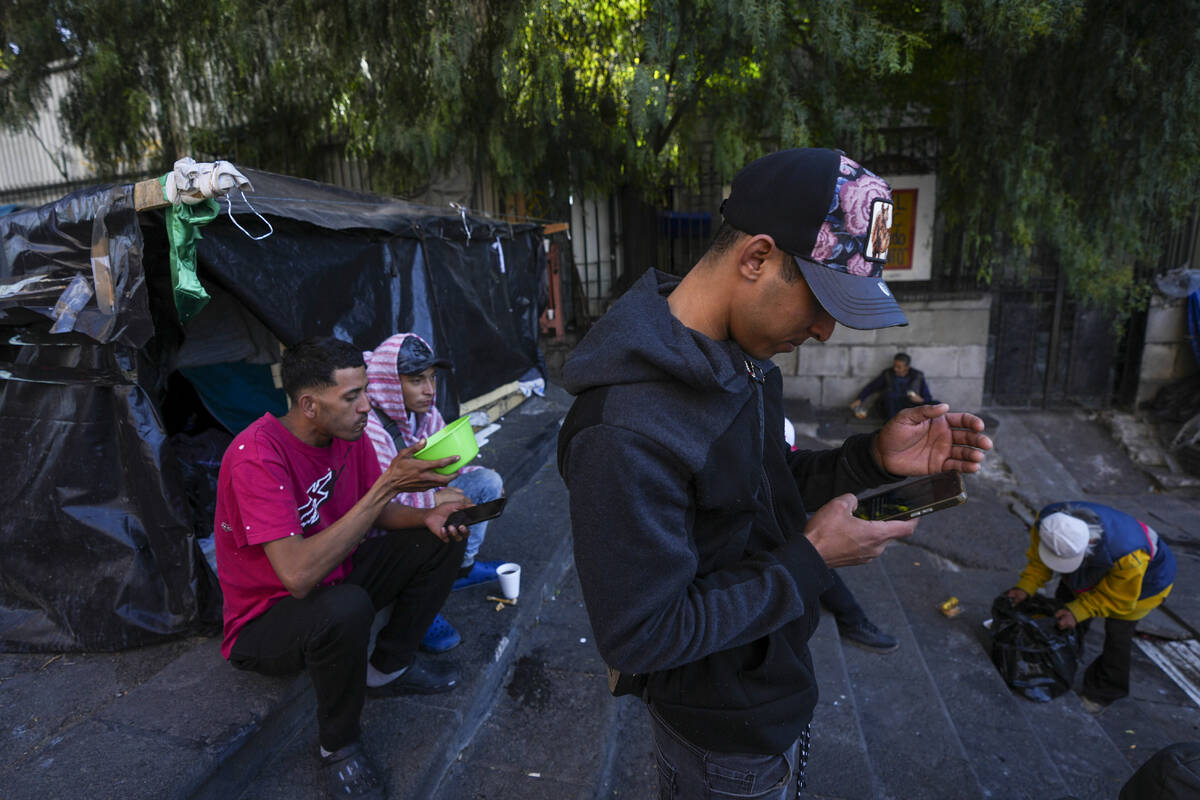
510 579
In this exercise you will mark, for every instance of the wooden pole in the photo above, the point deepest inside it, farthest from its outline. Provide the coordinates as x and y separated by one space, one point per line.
148 195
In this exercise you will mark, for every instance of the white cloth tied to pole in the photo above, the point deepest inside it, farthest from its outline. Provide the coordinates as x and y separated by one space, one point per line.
192 181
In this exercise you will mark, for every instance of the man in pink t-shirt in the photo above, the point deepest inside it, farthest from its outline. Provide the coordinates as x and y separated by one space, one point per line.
296 498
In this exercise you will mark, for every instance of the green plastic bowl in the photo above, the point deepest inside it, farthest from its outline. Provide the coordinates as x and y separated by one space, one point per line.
456 439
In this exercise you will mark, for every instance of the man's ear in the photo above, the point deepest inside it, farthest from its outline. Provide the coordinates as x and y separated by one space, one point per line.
753 255
307 404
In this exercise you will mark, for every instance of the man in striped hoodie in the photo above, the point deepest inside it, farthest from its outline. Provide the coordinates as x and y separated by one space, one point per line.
402 388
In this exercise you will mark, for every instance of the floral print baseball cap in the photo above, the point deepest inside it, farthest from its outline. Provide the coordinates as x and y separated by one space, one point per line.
834 217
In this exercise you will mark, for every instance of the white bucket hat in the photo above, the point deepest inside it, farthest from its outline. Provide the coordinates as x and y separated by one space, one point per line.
1063 542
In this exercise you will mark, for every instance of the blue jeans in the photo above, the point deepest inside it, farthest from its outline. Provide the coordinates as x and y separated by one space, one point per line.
480 485
688 772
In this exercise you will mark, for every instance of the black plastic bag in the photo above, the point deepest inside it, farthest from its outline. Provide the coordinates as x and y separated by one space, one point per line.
1172 773
1034 657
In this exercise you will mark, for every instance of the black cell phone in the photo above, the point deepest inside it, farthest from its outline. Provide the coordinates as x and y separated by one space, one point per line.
480 513
914 499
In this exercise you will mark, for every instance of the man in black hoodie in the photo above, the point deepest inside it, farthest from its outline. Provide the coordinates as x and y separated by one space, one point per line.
700 564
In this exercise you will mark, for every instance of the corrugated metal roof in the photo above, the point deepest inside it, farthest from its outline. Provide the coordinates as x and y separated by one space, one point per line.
40 159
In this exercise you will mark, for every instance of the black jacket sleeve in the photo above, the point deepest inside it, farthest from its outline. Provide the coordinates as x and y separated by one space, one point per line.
824 474
631 515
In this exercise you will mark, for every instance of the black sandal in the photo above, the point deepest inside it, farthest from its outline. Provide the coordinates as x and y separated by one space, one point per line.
350 773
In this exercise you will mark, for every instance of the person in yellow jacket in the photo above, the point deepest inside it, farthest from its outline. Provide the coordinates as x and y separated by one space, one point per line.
1110 565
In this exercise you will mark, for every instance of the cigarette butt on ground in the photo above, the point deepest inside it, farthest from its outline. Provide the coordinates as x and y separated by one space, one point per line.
505 600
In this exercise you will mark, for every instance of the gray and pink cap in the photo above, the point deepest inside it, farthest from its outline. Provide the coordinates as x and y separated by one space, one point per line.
834 217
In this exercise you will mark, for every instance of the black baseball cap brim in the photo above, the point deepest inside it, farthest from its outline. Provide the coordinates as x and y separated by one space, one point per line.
414 365
415 356
856 301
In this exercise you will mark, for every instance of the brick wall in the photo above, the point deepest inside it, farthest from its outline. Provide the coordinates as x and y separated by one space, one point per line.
947 339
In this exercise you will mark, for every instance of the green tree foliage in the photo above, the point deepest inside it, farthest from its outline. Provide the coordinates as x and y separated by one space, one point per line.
274 85
593 92
609 92
1070 128
1066 127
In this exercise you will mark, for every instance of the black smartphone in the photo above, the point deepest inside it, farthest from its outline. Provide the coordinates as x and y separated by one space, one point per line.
916 498
480 513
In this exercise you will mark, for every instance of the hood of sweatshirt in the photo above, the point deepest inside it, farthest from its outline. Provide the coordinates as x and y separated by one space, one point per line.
387 395
640 341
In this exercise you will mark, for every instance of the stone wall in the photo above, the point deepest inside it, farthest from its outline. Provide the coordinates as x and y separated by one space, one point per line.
947 339
1167 355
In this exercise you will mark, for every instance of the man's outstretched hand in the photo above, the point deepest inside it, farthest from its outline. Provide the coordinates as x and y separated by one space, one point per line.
929 439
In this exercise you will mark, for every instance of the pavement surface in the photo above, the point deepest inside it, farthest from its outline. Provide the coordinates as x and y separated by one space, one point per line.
533 717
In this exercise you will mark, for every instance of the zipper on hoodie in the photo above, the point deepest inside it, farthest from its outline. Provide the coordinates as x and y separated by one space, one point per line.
757 379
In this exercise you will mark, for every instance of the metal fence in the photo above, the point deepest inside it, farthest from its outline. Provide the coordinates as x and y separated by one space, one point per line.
617 237
596 252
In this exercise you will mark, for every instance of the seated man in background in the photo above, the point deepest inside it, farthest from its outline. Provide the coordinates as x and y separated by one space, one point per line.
899 387
296 497
1110 565
402 388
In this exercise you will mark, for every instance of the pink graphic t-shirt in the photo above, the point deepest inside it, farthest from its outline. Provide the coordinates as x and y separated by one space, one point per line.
273 485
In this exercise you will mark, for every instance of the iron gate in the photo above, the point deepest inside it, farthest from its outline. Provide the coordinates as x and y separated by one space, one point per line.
1044 349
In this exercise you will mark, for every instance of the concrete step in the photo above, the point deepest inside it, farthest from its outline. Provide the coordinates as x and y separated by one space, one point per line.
1012 743
554 731
136 724
913 744
838 766
1025 454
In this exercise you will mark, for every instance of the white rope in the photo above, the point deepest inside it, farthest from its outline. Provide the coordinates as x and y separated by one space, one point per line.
270 228
462 212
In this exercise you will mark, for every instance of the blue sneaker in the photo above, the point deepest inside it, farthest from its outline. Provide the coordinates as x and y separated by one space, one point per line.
440 637
481 572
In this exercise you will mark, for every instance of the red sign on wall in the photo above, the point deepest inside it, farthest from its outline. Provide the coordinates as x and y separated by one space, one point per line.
904 230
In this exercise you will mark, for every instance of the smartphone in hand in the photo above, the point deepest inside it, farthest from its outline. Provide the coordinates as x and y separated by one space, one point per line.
915 498
480 513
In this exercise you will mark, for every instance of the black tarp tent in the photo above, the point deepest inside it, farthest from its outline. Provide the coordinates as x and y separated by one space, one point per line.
98 539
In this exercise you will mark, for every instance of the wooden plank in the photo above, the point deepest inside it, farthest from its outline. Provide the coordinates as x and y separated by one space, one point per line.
502 406
495 403
148 195
467 406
